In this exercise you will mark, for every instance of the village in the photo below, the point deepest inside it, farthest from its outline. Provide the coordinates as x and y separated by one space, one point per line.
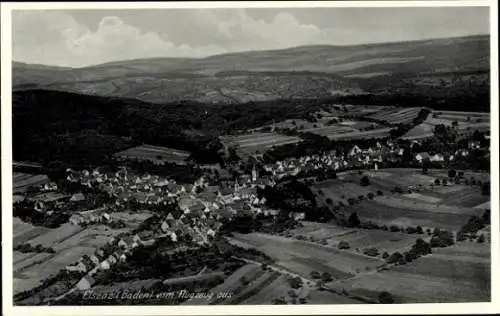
189 214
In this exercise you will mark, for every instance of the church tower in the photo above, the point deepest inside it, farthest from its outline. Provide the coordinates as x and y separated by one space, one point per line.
254 174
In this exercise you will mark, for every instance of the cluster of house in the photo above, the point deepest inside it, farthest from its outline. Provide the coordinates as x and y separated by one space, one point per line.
332 160
96 216
100 260
356 156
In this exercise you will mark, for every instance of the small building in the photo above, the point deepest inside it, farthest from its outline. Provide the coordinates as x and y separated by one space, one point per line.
420 157
85 283
77 197
105 265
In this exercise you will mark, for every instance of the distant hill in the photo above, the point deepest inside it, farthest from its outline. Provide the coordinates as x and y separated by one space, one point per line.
300 72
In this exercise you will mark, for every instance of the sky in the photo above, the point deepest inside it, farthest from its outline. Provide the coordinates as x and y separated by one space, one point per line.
78 38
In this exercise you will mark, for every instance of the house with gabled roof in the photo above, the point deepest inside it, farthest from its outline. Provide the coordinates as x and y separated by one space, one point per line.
85 283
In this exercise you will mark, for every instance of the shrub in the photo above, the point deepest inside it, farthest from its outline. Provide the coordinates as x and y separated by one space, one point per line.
411 230
385 298
329 201
398 190
385 255
353 220
365 181
372 252
371 195
351 201
379 192
394 228
420 230
437 182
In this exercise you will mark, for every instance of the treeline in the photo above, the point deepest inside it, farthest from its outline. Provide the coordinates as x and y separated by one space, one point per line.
79 129
463 101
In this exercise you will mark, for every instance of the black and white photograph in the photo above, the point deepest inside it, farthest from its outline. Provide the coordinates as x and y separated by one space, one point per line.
243 155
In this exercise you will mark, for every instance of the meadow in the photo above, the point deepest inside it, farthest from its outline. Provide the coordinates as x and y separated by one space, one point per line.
466 121
421 202
70 243
155 154
22 181
257 142
460 273
302 257
358 239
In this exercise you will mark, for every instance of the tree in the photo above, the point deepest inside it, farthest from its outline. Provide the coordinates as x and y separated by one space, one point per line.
353 220
420 230
326 277
396 258
437 182
379 192
295 282
385 298
385 255
371 196
481 238
452 173
315 275
243 280
365 181
329 201
460 235
485 189
344 245
394 228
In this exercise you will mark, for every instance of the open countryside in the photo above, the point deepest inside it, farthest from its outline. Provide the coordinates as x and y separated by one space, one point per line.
316 174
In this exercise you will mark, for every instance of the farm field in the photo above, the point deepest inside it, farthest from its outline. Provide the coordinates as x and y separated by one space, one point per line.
432 206
303 257
155 154
465 120
24 232
22 181
420 215
338 190
460 273
396 115
252 143
70 243
279 289
356 238
376 133
231 284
